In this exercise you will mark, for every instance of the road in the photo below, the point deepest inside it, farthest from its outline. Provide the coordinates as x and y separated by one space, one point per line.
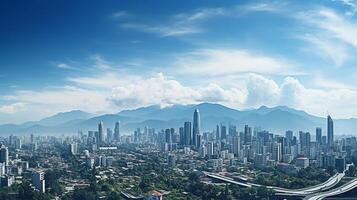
331 182
342 189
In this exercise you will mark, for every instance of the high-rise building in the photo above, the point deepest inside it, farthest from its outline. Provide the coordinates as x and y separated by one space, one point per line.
305 140
277 155
4 155
168 136
218 137
182 136
31 138
329 131
289 136
109 135
38 180
117 131
319 135
73 148
340 164
223 132
247 135
101 133
236 145
210 149
196 127
187 133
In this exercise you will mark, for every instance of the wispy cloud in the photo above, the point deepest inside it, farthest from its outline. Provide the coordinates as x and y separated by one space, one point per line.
120 14
329 83
191 22
100 63
179 24
262 7
329 21
64 66
163 30
327 48
12 108
352 4
331 34
216 62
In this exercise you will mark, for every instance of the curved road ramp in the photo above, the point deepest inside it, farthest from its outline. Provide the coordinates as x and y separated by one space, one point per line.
342 189
331 182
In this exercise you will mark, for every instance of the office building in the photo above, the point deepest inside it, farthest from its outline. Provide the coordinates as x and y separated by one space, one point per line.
4 155
319 135
329 131
38 180
117 131
101 136
187 133
196 127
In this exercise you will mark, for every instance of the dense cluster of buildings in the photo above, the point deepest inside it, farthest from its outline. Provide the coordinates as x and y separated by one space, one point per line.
263 148
224 146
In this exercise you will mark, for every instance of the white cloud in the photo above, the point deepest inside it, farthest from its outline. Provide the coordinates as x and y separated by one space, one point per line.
154 90
100 63
64 66
163 30
216 62
262 7
335 25
134 91
50 101
12 108
120 14
178 25
200 14
328 48
325 83
261 90
352 4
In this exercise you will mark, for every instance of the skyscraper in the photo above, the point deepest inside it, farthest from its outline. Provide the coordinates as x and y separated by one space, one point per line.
289 135
187 133
4 155
101 133
117 131
218 137
223 132
247 135
329 131
182 136
236 145
196 126
319 135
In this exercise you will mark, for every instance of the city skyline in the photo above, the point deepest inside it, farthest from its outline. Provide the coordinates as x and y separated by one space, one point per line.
107 58
173 100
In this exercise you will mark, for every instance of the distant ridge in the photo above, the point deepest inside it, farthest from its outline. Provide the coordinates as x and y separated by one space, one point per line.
275 119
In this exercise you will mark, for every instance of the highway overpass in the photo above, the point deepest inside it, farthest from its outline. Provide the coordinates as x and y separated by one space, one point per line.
342 189
331 182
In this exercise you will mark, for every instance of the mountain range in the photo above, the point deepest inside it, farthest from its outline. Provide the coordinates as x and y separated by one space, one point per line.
276 119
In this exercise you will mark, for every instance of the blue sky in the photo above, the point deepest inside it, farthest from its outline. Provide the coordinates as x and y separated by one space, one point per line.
104 57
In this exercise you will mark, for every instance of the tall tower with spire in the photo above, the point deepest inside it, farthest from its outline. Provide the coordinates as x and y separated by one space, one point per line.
329 131
196 128
101 133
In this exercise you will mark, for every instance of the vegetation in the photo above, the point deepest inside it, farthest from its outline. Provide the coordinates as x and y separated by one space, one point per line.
304 178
